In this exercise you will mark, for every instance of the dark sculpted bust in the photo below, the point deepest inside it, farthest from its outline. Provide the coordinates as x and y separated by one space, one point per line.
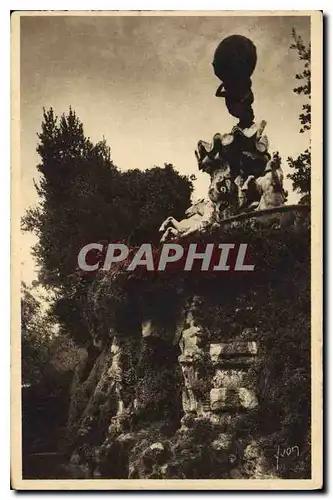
234 62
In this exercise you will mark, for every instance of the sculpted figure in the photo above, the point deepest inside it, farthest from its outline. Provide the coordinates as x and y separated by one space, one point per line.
245 150
269 186
243 176
240 180
234 62
198 216
223 202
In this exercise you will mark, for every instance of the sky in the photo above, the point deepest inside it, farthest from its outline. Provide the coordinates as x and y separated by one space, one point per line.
147 85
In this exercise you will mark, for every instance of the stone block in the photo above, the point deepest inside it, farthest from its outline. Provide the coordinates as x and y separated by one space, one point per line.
232 399
229 378
241 362
224 351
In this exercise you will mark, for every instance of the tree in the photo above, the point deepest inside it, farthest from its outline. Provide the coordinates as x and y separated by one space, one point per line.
301 165
84 198
47 352
152 195
36 329
73 197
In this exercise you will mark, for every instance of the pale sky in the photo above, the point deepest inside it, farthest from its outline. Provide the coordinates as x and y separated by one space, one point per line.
147 85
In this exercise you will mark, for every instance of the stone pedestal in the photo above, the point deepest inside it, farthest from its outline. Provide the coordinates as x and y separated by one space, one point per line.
215 375
231 362
218 388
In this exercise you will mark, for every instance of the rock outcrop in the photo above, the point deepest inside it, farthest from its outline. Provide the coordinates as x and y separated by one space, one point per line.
219 375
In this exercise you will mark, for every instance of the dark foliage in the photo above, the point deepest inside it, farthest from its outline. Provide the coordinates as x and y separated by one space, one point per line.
49 359
301 176
84 198
270 306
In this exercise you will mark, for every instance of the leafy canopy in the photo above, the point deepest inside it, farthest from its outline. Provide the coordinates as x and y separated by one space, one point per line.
301 165
85 198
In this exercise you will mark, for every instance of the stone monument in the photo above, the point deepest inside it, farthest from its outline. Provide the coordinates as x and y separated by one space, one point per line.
244 176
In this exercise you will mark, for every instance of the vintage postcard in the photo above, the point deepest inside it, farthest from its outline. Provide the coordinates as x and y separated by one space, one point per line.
167 250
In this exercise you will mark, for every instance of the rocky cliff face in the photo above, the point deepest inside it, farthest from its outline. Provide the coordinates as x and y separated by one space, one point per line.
211 377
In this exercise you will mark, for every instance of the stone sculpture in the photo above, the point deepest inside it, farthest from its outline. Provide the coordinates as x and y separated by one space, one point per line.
234 62
198 216
269 186
243 175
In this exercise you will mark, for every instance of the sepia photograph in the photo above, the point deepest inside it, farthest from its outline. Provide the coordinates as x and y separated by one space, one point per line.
166 250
